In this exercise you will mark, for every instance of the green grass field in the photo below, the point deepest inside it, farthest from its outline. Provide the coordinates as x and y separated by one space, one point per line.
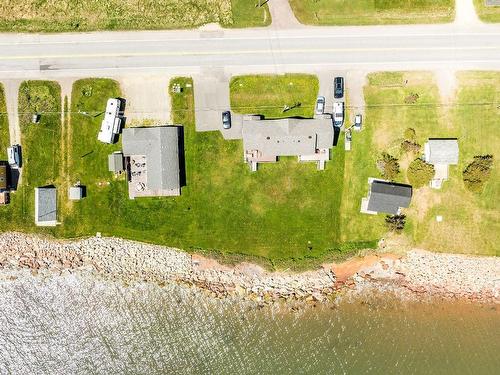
487 13
470 222
268 94
372 12
74 15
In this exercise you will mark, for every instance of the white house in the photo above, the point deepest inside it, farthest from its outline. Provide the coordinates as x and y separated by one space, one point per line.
441 153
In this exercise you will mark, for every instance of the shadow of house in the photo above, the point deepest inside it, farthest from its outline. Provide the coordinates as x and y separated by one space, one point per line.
182 158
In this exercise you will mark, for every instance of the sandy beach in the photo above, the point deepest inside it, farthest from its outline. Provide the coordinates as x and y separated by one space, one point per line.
418 274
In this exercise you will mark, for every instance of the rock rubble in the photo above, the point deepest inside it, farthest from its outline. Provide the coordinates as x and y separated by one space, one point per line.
420 272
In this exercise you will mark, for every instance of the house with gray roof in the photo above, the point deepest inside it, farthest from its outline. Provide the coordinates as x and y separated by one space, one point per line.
387 197
264 141
46 206
441 153
152 159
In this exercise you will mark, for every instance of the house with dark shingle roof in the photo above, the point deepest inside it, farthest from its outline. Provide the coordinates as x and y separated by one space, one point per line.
387 197
441 153
152 159
46 206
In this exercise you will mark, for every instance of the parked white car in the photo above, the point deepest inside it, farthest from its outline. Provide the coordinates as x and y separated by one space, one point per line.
14 156
320 105
357 122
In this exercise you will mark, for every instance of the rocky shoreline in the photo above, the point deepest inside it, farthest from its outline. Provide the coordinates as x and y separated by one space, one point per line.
419 273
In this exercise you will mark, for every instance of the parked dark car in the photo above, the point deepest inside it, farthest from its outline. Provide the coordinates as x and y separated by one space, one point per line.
338 90
226 120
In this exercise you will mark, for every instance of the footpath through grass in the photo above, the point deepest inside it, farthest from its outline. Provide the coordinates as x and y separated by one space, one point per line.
74 15
470 221
373 12
4 126
268 95
487 13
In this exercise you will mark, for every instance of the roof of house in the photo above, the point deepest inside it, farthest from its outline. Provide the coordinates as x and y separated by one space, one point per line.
441 151
160 145
388 197
115 162
45 204
287 137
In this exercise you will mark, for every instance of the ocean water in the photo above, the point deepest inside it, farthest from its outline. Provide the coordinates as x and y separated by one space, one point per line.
79 325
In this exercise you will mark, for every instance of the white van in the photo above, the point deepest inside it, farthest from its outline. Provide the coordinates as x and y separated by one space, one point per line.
14 156
338 114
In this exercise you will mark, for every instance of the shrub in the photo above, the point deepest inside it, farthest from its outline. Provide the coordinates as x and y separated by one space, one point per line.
395 223
478 172
388 166
409 146
410 134
420 173
412 98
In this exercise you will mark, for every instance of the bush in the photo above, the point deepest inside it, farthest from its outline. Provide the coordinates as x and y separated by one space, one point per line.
410 134
478 172
409 146
388 166
395 223
420 173
412 98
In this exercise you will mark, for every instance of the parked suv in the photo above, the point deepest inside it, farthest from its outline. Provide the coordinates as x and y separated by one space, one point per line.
226 120
338 114
14 156
338 87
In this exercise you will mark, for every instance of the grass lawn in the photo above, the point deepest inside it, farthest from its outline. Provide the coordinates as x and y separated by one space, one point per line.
245 13
41 152
470 222
372 12
487 13
74 15
268 94
4 126
277 214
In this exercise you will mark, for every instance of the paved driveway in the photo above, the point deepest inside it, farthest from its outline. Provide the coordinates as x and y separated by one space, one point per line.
211 98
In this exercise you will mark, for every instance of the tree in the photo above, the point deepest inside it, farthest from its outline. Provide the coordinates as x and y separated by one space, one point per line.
420 173
388 166
409 146
478 172
395 223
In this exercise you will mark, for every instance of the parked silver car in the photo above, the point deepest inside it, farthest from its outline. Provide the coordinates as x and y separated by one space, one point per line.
320 105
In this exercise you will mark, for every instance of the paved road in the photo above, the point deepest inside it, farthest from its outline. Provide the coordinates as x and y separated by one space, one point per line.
251 50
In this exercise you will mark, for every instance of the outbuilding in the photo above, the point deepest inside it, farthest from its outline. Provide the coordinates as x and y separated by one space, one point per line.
46 206
75 193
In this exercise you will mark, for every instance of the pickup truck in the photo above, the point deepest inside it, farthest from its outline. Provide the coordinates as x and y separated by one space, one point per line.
338 114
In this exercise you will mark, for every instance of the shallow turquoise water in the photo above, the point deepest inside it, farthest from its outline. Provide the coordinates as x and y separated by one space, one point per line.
74 325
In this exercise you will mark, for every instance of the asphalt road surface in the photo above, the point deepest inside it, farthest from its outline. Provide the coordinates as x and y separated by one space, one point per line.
251 50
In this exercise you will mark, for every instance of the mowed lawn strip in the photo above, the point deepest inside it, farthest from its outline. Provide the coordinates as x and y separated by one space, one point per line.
471 221
40 152
268 95
487 13
74 15
373 12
